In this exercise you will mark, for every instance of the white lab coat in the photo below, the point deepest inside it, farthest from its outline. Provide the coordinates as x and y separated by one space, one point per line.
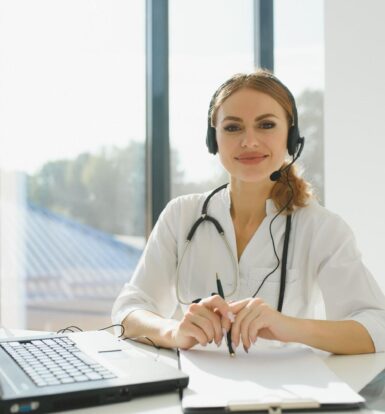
325 273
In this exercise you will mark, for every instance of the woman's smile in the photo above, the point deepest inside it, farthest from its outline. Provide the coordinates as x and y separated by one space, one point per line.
251 158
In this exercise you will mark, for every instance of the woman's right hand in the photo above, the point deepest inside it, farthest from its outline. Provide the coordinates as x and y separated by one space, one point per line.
203 323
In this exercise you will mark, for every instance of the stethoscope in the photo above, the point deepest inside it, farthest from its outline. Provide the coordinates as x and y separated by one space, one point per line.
206 217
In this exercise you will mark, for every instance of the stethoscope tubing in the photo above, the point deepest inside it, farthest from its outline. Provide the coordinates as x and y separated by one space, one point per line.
205 217
234 262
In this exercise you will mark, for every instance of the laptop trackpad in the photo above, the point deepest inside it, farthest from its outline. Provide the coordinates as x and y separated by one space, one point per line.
140 368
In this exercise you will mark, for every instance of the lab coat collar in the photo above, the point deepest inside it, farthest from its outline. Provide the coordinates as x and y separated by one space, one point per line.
271 209
270 206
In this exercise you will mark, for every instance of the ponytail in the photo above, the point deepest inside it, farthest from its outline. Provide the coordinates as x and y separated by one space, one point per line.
281 192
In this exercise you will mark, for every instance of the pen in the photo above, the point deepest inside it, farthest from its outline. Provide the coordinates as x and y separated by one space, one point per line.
228 336
180 388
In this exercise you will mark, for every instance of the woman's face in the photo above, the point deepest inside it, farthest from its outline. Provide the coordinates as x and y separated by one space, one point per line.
251 130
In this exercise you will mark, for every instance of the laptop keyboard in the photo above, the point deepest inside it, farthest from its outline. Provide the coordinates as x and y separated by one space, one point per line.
55 361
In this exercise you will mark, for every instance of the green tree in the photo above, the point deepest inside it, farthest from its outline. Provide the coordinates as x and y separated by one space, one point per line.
104 190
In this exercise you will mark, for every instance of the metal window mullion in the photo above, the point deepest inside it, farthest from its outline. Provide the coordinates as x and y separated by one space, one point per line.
264 34
157 111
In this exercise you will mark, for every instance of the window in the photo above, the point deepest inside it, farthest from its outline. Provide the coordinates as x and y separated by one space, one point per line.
209 42
299 63
72 104
72 160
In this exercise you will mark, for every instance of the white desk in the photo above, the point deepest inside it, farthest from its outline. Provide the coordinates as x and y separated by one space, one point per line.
356 370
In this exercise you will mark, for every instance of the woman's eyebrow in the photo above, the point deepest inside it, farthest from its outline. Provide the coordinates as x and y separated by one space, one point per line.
263 116
258 118
231 118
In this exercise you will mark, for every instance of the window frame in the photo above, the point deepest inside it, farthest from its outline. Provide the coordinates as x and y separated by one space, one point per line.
158 180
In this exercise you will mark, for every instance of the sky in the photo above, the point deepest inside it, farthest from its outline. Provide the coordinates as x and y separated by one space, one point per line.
72 72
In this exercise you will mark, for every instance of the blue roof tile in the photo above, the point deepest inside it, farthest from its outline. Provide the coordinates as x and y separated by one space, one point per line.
66 259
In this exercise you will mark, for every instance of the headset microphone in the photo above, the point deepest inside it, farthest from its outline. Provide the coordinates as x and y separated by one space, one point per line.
276 175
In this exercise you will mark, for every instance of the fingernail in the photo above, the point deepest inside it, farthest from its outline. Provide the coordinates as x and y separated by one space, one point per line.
246 350
233 346
219 343
224 332
231 316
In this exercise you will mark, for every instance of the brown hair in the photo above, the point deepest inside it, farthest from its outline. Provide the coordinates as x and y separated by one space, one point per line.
263 81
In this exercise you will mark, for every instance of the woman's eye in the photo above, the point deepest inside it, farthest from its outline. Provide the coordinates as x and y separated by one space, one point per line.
267 124
232 128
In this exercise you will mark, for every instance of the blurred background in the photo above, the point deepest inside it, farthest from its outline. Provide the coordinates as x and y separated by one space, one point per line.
94 141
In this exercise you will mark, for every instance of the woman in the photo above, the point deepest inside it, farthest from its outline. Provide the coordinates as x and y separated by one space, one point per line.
280 248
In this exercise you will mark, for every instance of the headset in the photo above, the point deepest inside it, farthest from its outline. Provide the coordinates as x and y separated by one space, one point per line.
294 141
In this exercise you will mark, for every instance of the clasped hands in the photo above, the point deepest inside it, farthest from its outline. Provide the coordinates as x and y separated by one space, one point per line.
211 318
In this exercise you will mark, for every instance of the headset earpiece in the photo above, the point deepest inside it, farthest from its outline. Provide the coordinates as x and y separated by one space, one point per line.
211 139
293 140
211 135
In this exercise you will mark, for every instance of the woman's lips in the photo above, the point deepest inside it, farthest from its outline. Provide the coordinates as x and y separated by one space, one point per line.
251 158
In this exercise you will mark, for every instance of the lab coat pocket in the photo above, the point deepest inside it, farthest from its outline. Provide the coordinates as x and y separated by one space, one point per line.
268 283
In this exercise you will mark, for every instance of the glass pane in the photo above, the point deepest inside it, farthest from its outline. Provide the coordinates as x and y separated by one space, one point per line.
299 63
209 42
72 109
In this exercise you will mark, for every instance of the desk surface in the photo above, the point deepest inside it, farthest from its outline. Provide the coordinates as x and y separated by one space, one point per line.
364 373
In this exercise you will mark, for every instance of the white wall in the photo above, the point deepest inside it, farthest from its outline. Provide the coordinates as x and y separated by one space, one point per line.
355 122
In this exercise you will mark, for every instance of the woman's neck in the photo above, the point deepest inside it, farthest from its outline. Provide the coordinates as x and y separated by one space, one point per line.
248 201
248 209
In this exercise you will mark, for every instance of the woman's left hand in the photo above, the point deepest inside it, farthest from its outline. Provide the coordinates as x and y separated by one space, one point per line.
255 318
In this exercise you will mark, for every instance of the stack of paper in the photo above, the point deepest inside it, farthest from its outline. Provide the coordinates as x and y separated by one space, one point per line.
286 377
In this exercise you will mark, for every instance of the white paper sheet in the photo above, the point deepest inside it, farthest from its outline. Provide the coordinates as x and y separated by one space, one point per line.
267 374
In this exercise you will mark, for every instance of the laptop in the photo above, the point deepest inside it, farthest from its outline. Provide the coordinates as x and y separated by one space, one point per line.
49 373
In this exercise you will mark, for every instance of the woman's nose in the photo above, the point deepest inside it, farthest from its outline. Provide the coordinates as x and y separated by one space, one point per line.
250 139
